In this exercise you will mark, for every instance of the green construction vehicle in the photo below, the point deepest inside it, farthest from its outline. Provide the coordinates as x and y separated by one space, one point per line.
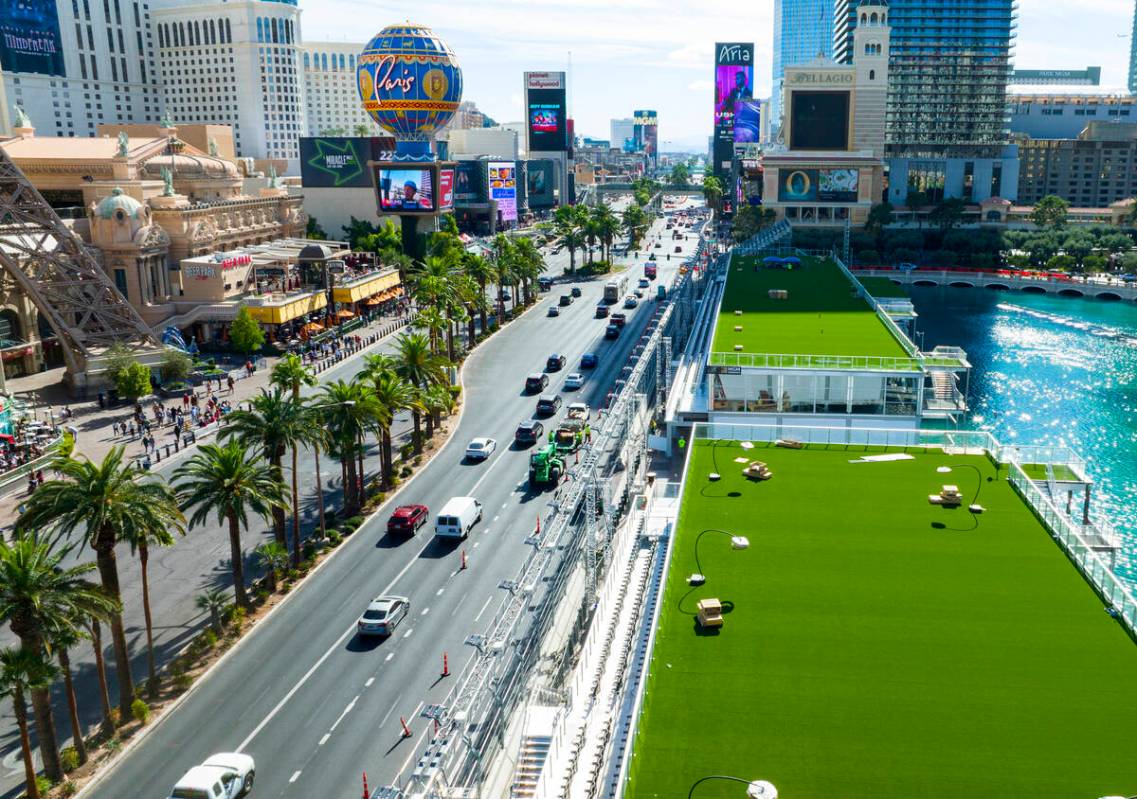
569 435
545 467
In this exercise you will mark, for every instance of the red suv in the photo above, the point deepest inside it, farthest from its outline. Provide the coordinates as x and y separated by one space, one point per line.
407 519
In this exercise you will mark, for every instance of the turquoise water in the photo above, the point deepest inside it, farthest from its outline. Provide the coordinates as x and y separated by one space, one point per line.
1051 370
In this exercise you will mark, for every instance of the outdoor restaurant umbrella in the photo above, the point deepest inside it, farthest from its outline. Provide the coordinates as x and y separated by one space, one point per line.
772 259
793 259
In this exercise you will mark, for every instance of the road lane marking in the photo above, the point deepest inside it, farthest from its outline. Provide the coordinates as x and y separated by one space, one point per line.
476 544
425 611
407 634
391 710
483 610
346 710
334 647
324 740
439 592
372 679
389 656
294 777
414 750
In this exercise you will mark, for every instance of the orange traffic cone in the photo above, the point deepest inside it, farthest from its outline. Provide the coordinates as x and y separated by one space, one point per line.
366 793
463 559
445 665
406 729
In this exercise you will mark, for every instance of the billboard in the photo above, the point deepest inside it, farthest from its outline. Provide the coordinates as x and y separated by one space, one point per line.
818 185
819 120
548 124
406 190
647 132
503 188
445 189
734 84
340 162
468 182
541 181
29 38
748 122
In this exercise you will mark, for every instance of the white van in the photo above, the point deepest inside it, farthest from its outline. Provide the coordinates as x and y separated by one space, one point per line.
458 517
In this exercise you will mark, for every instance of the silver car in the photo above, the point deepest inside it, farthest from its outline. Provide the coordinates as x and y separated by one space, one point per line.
383 615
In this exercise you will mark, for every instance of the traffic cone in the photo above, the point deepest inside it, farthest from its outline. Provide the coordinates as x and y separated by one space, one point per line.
463 560
445 665
538 524
436 726
406 729
366 793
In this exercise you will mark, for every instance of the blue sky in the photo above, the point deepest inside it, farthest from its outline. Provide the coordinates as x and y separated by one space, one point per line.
629 54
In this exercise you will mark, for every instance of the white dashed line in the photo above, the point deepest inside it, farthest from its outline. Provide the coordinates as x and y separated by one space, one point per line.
439 592
476 544
294 777
324 740
495 518
346 710
408 633
389 656
483 610
425 611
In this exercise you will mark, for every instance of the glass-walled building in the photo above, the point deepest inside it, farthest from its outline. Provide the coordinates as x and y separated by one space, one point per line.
803 30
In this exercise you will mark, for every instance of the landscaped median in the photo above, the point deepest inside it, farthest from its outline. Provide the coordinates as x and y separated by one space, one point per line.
875 644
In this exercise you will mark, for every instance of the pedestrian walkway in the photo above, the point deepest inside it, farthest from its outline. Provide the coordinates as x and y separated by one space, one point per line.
99 429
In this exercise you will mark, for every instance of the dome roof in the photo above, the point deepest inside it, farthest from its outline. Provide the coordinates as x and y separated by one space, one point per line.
118 201
315 252
187 166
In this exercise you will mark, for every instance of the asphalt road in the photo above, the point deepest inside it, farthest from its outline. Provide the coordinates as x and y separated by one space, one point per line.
315 704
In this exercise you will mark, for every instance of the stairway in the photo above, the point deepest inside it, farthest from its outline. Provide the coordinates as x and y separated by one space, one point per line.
530 762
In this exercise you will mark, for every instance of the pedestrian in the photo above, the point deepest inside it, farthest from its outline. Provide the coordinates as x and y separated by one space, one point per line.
102 399
39 477
231 384
185 398
132 431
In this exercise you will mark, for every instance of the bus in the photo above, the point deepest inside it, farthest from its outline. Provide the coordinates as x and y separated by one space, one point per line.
650 270
615 289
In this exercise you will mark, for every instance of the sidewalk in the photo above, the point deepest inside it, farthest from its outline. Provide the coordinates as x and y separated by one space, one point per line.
44 392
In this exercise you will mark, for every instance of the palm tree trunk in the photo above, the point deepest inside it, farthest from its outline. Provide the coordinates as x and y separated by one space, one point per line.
362 495
319 491
429 426
72 706
101 668
295 512
417 417
238 564
482 308
350 485
278 522
450 341
471 331
152 678
108 572
21 712
45 729
388 458
344 480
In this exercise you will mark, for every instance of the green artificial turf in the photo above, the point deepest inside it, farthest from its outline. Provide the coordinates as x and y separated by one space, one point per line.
821 316
1037 471
871 655
882 288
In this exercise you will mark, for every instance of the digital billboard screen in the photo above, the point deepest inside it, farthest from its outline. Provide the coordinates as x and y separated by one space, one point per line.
503 188
468 182
748 121
29 38
819 120
734 84
540 181
445 189
818 185
336 162
404 191
548 131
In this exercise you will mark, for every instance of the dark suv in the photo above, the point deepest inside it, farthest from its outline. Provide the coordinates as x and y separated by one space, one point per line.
612 331
601 311
566 300
575 291
536 382
555 363
548 404
529 432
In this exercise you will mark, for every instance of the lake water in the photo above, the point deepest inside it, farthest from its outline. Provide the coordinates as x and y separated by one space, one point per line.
1051 370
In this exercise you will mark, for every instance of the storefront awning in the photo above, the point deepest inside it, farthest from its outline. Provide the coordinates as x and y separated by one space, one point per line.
365 288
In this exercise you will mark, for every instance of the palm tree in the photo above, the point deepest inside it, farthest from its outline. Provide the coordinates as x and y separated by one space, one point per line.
40 595
274 558
140 541
395 395
481 270
95 633
530 264
274 422
63 640
421 368
349 412
437 400
213 601
104 501
21 671
290 373
504 269
226 480
431 320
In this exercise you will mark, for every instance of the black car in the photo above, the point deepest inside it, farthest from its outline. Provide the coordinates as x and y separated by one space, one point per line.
555 363
566 300
601 311
529 432
554 311
548 404
576 291
612 331
589 360
536 382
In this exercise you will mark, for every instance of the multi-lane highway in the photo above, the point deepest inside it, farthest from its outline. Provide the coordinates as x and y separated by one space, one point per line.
314 703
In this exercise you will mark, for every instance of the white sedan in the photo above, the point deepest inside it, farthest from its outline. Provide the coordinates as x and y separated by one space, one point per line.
574 381
579 410
480 448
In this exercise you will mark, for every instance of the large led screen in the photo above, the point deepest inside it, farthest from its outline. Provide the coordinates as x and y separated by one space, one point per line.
503 188
547 123
819 120
818 185
734 83
468 185
747 121
29 37
404 191
445 189
540 182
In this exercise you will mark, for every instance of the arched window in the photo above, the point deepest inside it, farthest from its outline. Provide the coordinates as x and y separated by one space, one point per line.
228 32
275 34
290 31
260 31
864 19
161 37
324 61
872 74
352 61
183 39
873 18
306 61
884 19
212 32
197 32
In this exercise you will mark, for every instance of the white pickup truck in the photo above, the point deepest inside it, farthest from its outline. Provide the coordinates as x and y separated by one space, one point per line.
223 776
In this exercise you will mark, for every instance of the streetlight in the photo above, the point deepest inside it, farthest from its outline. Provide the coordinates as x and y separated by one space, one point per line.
974 507
755 789
736 542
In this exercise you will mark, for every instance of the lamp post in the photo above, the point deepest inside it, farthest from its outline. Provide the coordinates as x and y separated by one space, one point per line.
974 507
736 542
755 789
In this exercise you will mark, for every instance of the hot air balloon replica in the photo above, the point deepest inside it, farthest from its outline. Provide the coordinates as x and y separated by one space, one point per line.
410 83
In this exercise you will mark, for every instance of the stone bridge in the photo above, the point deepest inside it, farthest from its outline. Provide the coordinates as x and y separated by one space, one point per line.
1102 288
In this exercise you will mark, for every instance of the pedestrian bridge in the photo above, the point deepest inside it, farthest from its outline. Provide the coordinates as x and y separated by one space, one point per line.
1103 289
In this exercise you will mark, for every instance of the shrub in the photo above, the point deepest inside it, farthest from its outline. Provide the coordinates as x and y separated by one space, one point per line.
140 710
309 550
406 471
113 744
334 535
183 681
237 618
67 789
406 450
209 639
352 523
418 460
43 784
68 758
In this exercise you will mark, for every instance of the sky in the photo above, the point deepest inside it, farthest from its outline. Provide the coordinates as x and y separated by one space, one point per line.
657 54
